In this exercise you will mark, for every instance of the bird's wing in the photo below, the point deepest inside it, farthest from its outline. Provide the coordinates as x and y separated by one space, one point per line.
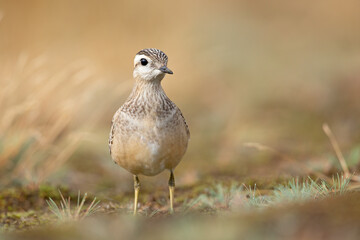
185 123
113 129
111 135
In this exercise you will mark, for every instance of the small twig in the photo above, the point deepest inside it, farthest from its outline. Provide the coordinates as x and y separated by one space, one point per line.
337 150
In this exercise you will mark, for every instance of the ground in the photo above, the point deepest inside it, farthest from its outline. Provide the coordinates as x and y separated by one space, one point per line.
205 211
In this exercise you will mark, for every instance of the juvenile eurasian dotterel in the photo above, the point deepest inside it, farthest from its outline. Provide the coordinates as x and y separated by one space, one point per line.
148 132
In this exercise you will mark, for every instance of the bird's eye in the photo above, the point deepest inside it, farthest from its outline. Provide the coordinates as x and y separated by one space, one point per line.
143 61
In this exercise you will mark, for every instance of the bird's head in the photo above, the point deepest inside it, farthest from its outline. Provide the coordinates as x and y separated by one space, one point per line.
150 64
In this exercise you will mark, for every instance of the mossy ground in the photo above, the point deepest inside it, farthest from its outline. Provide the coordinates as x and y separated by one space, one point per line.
327 218
26 215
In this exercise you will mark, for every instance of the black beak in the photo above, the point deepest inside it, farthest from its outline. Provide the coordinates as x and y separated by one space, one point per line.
165 69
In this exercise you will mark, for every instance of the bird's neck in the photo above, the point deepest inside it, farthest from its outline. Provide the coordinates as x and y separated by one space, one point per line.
147 90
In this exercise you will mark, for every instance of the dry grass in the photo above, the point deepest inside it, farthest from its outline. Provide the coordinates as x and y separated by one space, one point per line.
241 197
64 212
44 115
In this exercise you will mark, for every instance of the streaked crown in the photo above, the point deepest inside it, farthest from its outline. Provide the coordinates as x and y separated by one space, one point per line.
155 54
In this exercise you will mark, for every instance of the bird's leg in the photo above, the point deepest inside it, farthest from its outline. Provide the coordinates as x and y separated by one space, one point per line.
171 190
137 189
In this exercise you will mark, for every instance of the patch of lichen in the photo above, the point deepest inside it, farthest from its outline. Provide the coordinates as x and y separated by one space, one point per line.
19 199
25 198
265 183
22 220
25 208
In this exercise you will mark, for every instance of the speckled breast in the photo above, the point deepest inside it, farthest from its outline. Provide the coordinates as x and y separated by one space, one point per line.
147 145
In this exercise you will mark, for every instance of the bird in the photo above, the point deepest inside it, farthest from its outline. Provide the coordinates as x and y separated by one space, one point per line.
149 133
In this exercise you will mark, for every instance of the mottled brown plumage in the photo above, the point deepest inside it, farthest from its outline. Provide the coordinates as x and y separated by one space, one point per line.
148 132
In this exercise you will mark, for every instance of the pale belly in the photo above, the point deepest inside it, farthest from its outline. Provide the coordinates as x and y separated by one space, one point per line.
148 147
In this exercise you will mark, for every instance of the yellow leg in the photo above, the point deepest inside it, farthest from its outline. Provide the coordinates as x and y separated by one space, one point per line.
136 190
171 191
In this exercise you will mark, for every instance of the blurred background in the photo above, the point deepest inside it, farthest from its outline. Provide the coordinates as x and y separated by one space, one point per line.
255 80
